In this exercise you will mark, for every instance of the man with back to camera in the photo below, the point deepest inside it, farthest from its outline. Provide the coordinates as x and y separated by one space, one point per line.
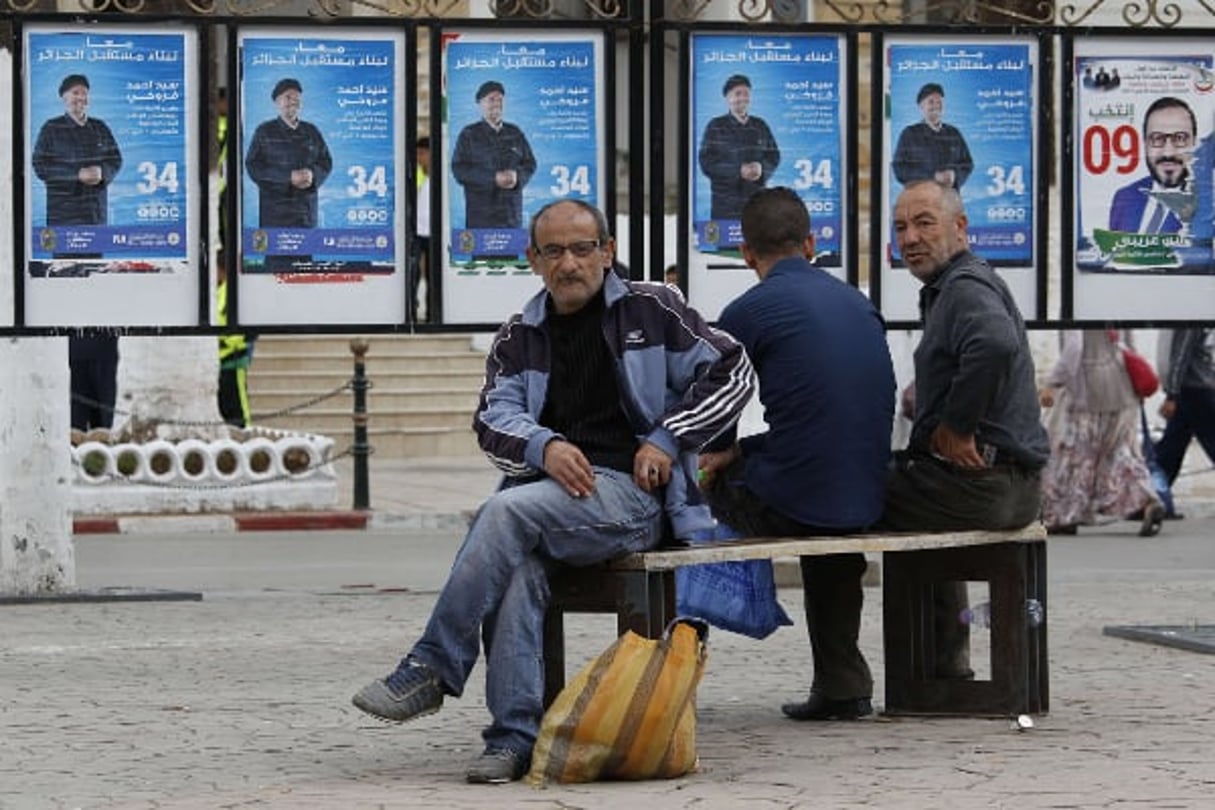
493 161
977 443
597 398
289 161
827 386
1170 134
737 152
932 149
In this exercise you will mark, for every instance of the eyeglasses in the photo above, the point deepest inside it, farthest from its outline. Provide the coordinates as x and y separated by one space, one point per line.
1179 139
552 251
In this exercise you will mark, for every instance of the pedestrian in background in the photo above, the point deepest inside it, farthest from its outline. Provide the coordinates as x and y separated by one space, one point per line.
1188 377
1096 467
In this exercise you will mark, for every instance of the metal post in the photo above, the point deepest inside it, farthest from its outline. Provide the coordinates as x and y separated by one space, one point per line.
360 449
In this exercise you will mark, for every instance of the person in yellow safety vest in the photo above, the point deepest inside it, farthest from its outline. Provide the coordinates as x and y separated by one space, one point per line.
235 355
221 134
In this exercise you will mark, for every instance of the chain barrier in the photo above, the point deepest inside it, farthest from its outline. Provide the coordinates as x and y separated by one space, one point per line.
257 417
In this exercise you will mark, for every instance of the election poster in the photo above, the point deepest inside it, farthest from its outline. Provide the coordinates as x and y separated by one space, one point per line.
523 127
766 110
963 111
1143 116
321 177
111 191
8 260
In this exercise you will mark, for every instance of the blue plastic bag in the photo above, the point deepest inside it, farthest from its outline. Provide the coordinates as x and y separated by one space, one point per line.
739 596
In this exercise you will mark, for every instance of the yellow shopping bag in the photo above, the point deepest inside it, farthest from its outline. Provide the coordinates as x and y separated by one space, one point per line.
629 714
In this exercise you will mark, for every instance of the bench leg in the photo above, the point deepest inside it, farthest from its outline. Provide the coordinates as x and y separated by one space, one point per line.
643 601
1019 684
554 654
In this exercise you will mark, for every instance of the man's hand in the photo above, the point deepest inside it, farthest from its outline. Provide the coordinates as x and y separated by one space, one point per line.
955 447
907 401
651 467
710 464
1168 408
506 178
945 177
89 175
1046 397
301 178
751 171
566 465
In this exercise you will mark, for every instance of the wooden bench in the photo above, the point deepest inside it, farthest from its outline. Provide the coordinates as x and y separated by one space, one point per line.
640 590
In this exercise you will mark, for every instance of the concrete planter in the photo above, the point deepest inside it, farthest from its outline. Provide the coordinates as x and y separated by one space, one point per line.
257 469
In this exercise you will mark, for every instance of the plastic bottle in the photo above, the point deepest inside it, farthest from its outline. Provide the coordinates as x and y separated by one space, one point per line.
980 615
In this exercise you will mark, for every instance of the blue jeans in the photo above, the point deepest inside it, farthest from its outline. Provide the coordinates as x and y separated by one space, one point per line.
1194 418
498 588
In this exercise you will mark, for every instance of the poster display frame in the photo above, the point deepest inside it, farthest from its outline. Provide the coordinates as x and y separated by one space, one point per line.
143 269
568 157
717 275
347 269
1023 214
1184 289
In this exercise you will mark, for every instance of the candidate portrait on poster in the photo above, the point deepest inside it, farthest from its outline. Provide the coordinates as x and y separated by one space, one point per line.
523 128
111 183
320 119
962 112
766 111
1143 144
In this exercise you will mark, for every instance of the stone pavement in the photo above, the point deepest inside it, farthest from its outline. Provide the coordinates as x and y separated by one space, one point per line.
242 700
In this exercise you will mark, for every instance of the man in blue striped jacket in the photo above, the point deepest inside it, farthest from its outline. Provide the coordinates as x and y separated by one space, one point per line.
597 398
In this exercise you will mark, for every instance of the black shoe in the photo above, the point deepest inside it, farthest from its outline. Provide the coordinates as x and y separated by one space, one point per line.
824 708
497 766
1153 516
413 690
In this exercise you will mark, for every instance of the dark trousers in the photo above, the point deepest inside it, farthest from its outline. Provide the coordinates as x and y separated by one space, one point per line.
831 585
234 396
419 264
93 364
1194 418
925 494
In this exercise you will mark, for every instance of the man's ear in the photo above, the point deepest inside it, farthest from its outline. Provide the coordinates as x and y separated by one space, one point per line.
808 247
609 254
533 259
748 255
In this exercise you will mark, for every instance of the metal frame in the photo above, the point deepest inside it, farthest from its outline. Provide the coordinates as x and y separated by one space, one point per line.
647 28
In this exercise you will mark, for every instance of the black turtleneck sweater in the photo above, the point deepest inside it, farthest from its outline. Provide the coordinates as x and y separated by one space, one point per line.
583 400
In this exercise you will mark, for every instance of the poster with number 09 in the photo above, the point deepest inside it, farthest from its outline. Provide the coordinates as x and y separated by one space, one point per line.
1143 146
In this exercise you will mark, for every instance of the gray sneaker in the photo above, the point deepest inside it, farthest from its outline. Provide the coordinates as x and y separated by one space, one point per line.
497 766
413 690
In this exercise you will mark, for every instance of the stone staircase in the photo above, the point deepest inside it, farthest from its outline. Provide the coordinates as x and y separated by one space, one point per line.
424 390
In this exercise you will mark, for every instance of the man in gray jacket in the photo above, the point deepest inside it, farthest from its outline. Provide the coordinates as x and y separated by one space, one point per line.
977 443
